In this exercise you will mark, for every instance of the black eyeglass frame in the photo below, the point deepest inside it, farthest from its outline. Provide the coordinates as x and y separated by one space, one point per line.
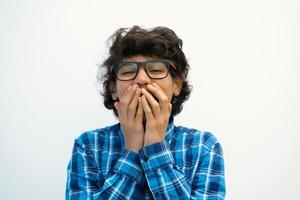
143 64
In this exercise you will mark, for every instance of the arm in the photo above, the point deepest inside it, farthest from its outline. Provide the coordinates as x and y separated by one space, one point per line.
125 179
167 181
85 180
164 178
209 181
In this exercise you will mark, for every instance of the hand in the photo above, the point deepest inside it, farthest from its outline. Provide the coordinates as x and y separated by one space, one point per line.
157 113
130 113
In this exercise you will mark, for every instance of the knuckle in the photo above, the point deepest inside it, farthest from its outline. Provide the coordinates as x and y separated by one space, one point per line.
156 105
147 110
131 108
164 99
139 114
123 102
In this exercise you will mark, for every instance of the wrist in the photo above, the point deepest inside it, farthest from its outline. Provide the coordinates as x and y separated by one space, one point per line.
134 148
153 137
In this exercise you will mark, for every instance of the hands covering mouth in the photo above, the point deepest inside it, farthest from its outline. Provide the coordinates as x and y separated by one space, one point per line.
144 115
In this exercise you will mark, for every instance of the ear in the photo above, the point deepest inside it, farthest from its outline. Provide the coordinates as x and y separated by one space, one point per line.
177 85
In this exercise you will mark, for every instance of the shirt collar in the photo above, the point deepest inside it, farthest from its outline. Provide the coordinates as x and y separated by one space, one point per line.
170 131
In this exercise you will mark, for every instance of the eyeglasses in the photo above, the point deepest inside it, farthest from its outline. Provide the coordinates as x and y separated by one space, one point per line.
155 69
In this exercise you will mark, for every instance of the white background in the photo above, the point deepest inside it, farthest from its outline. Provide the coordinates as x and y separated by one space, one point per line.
244 58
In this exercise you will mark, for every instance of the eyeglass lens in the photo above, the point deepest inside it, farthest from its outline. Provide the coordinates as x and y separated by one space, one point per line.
154 69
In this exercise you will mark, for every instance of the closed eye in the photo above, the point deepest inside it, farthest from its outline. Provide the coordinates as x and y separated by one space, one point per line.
128 72
156 70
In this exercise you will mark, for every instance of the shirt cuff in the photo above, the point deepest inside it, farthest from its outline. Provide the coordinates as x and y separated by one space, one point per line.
157 155
129 165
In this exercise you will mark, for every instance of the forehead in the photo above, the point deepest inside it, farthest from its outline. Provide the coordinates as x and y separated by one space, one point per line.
139 58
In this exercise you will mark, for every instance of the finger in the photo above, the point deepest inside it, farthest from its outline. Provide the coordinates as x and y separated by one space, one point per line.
170 107
117 106
160 95
127 98
133 104
140 112
154 105
147 109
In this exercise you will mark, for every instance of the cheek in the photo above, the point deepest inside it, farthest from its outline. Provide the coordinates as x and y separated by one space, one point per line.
167 87
170 95
121 89
169 92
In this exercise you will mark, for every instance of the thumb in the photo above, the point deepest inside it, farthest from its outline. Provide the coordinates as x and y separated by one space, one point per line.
170 107
117 105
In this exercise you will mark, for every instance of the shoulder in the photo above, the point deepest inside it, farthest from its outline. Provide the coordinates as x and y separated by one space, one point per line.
194 138
96 136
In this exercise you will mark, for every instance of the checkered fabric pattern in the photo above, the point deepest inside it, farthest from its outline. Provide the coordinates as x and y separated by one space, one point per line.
188 164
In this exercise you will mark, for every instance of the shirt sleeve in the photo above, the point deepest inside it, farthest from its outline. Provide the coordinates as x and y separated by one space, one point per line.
86 182
209 181
167 181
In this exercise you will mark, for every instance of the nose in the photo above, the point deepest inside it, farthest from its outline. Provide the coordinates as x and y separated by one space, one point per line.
142 78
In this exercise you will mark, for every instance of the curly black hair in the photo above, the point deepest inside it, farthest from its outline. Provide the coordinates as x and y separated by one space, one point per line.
160 42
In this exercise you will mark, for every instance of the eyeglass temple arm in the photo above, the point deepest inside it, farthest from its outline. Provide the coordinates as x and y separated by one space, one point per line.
173 65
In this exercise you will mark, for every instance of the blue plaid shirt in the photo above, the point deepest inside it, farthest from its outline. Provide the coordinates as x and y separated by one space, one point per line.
188 164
